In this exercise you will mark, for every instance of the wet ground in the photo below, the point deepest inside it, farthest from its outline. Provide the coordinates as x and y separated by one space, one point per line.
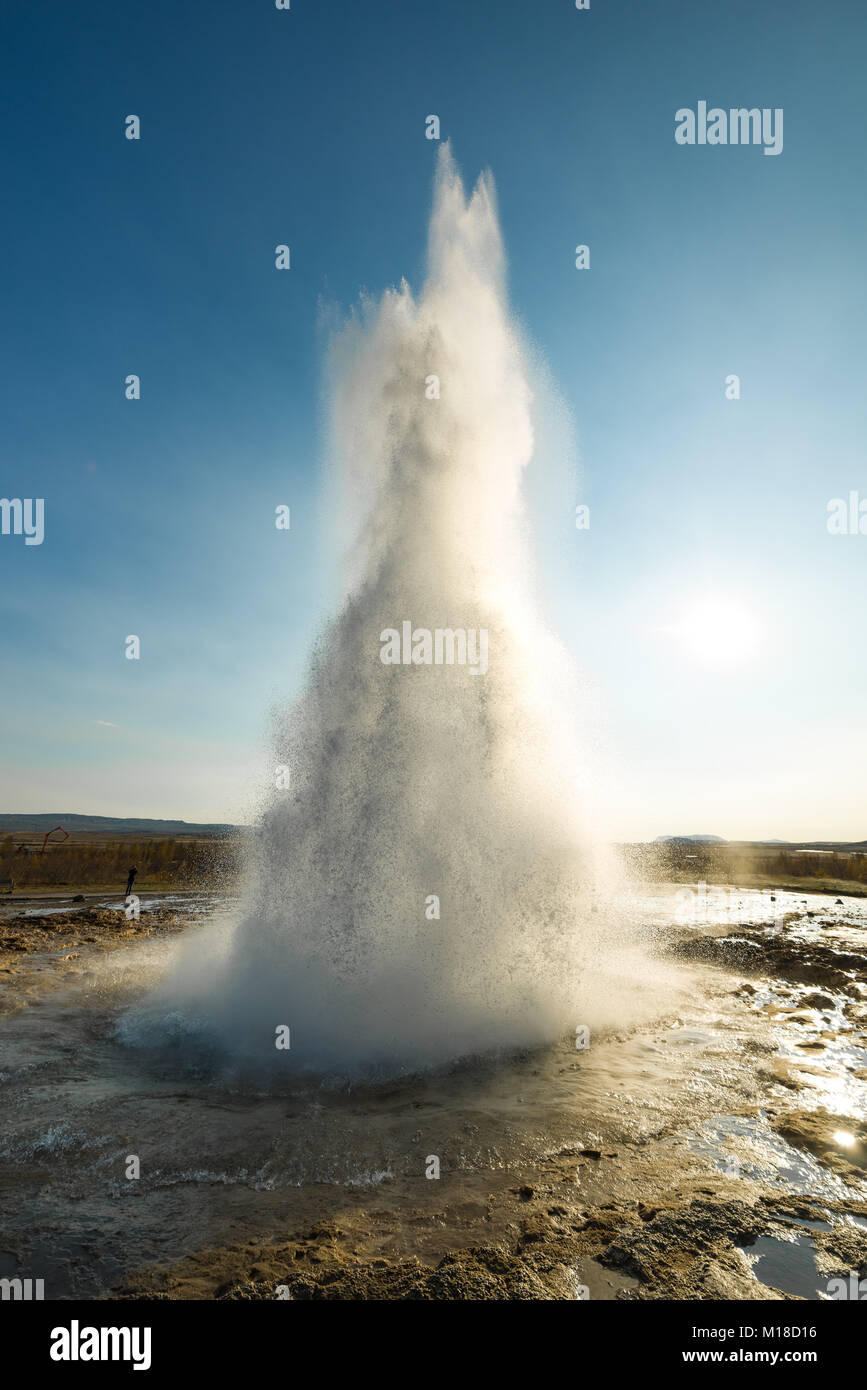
719 1151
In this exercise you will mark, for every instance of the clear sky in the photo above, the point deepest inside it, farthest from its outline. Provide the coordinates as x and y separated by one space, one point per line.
720 625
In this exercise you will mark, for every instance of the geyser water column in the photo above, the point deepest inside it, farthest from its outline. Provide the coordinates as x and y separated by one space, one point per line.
421 888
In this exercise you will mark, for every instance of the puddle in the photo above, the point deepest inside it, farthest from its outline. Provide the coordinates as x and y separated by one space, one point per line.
849 1220
602 1284
788 1265
745 1145
818 1225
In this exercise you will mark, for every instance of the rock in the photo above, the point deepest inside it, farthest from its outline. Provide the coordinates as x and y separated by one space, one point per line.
534 1230
729 1275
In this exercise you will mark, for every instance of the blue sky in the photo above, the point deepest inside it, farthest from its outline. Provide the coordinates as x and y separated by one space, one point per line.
307 127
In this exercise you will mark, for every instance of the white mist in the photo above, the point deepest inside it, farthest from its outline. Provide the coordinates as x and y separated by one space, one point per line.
413 780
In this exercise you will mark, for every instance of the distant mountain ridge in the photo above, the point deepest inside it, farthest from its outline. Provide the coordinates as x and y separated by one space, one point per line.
128 825
690 840
131 825
777 844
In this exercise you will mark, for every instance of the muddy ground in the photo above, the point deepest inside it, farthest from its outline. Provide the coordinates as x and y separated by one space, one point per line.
688 1243
687 1238
651 1218
53 943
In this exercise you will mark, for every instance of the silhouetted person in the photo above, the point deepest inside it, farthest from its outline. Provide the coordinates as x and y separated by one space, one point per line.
132 873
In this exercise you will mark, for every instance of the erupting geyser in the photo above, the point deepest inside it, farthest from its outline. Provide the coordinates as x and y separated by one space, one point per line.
423 887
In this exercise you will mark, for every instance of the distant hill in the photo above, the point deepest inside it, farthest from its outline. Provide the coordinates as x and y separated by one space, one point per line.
690 840
119 825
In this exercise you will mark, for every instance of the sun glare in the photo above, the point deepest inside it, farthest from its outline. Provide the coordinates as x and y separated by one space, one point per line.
844 1139
717 632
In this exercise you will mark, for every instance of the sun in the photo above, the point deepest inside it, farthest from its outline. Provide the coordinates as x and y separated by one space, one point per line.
717 631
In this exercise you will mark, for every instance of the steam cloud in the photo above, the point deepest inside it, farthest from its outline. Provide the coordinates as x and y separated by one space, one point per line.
414 780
